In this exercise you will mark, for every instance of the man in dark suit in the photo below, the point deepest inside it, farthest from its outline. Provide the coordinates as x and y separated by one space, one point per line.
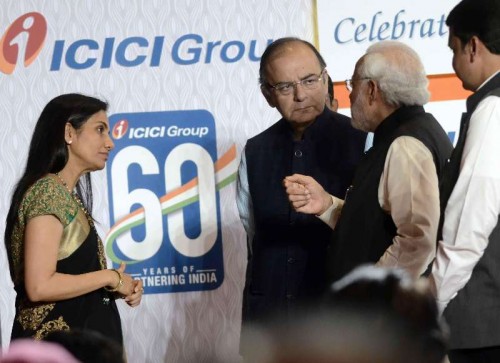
286 250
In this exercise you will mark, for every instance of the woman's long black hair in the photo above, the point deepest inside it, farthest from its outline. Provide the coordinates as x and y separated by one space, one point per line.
48 152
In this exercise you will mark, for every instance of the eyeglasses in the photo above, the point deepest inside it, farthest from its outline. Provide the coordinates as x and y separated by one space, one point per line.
309 83
349 82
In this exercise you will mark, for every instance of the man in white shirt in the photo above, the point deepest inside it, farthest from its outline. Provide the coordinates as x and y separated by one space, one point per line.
466 273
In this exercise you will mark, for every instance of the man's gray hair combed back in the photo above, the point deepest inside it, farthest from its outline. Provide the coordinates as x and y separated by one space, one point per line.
399 72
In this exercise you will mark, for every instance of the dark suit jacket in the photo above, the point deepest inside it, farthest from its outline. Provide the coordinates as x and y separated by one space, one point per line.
287 263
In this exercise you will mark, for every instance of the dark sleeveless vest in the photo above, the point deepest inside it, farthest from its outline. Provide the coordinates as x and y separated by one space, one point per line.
364 230
287 263
473 315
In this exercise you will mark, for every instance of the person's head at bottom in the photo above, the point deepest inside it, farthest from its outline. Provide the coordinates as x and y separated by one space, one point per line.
35 351
391 296
88 346
373 315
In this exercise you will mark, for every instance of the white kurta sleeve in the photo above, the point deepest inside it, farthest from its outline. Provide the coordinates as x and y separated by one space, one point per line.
409 192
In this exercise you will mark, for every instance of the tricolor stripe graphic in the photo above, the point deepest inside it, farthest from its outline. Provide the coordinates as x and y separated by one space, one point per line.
225 173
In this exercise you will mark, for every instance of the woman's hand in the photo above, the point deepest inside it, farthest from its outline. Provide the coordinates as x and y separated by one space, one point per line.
125 284
134 299
131 290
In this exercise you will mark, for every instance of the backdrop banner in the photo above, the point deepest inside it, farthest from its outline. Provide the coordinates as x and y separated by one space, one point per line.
344 34
181 81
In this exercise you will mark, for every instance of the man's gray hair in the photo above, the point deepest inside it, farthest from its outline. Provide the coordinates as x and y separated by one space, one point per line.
399 72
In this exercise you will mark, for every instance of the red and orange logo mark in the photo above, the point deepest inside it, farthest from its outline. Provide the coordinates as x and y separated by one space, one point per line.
120 129
28 31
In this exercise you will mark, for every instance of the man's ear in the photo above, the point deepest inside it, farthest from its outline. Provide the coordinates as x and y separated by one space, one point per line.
335 105
372 91
474 48
477 47
268 95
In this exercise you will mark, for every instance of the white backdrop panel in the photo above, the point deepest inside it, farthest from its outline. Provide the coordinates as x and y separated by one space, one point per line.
182 327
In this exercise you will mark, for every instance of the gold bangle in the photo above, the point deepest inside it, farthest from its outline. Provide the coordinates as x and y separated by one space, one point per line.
120 282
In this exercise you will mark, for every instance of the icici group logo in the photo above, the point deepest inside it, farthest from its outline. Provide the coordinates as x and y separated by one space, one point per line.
22 41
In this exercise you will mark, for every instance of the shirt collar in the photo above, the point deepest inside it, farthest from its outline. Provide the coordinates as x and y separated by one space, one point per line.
394 120
489 85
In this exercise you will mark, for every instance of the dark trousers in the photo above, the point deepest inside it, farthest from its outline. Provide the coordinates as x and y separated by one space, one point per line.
480 355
